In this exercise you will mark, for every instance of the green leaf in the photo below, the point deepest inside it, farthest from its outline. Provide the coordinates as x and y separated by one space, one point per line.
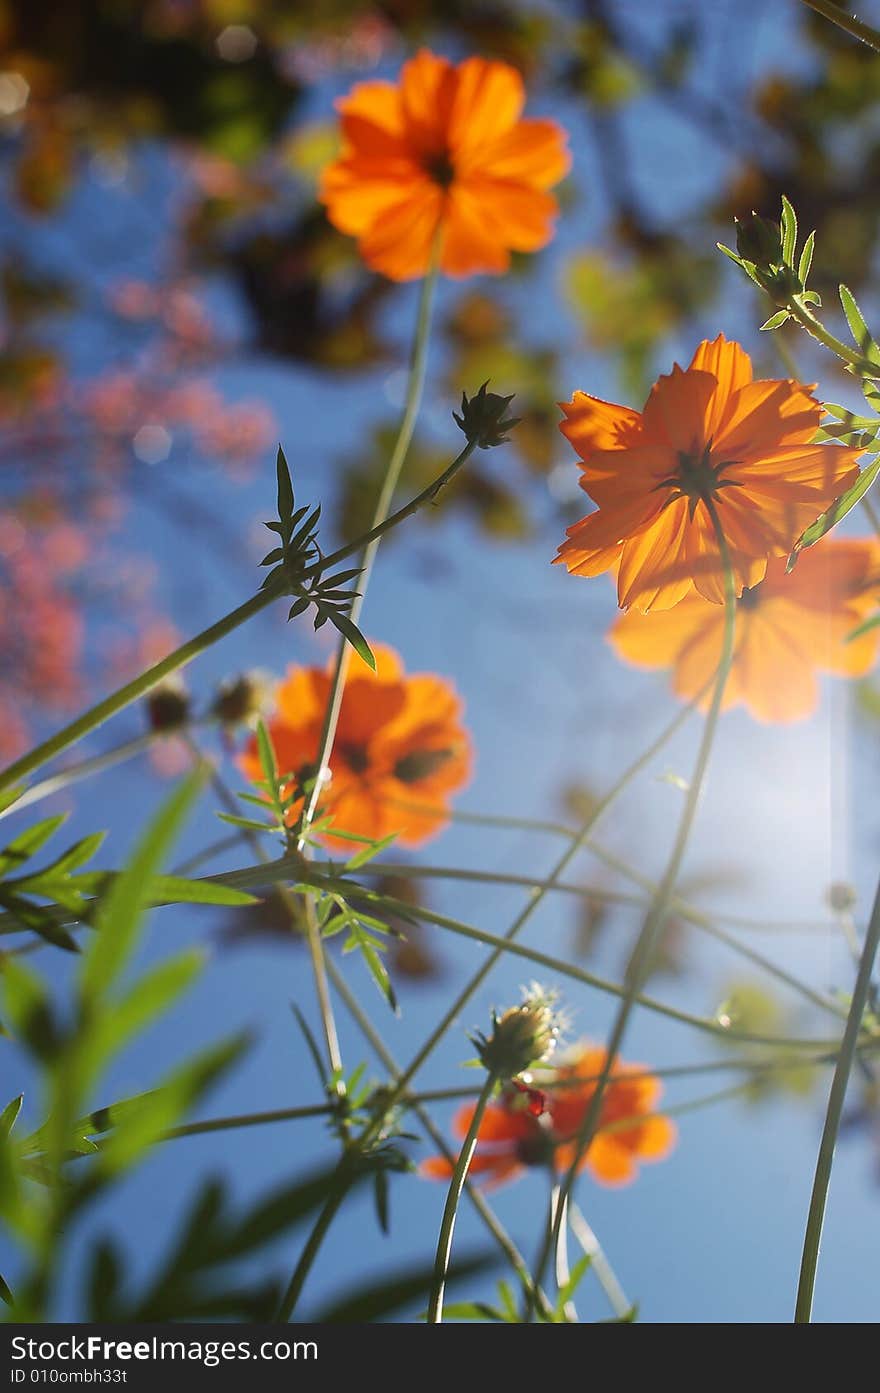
362 857
120 1021
163 1106
576 1276
5 1293
249 823
858 328
29 1010
351 632
266 750
121 909
285 487
371 1302
806 260
776 320
839 509
184 891
789 226
9 1115
379 974
28 842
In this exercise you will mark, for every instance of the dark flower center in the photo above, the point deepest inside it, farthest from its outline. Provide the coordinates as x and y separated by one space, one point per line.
750 599
355 756
418 764
439 169
698 477
537 1149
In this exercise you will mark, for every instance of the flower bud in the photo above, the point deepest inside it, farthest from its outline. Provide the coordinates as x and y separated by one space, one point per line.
482 418
759 240
240 700
168 706
522 1036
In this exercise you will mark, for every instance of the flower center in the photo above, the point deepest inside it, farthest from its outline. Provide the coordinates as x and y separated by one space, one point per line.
355 756
698 477
439 169
750 599
418 764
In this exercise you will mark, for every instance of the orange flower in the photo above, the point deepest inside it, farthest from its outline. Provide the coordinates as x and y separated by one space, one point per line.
788 628
708 436
511 1138
399 742
446 150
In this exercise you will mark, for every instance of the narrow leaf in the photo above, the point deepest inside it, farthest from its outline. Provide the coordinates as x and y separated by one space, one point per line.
285 487
858 328
839 509
789 231
351 632
806 260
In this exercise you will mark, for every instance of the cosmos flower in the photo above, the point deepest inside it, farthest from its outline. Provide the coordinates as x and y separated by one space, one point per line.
400 748
511 1137
444 153
789 628
709 439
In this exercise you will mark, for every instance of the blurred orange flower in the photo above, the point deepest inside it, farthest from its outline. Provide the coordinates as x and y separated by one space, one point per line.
444 149
511 1137
788 628
708 436
400 747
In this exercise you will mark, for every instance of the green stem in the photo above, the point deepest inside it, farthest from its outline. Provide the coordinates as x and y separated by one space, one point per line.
836 1098
456 1185
415 389
864 367
132 691
661 905
83 770
140 685
416 1101
691 915
538 894
310 1251
605 1273
848 23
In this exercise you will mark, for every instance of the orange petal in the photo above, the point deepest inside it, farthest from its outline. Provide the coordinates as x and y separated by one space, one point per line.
428 87
471 239
609 1162
533 152
488 102
519 216
399 244
678 409
376 103
764 415
653 573
592 424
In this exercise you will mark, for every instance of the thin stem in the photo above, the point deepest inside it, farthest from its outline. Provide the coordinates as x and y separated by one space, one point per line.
416 1101
450 1210
864 367
836 1098
96 764
563 1271
310 1251
538 894
309 927
662 903
415 389
138 687
848 23
700 920
605 1273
